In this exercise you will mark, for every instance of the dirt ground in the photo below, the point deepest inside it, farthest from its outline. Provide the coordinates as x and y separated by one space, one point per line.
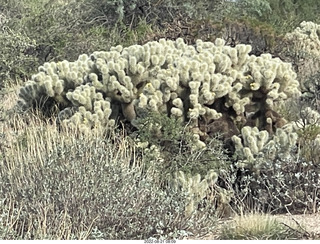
308 222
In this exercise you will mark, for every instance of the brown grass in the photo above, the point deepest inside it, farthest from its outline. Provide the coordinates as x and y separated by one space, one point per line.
257 226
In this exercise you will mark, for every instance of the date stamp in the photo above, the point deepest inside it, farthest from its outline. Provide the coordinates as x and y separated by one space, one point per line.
155 241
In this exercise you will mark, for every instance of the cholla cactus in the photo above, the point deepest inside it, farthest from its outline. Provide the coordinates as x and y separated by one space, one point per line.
192 83
306 37
302 48
253 143
195 188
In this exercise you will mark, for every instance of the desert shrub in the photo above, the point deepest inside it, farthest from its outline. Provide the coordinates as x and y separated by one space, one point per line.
35 32
75 186
260 35
312 91
279 186
54 25
284 15
129 12
287 14
257 227
15 63
308 143
251 8
303 112
172 147
287 182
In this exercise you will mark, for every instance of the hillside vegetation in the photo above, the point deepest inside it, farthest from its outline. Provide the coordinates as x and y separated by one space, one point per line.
158 119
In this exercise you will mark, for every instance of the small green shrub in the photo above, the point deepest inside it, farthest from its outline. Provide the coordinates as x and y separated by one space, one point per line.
304 114
308 147
111 12
312 93
170 146
15 63
34 32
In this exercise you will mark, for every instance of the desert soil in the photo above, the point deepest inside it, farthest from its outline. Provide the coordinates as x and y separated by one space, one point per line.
308 222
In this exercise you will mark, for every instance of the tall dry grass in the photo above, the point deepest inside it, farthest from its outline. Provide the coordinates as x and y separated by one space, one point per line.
34 154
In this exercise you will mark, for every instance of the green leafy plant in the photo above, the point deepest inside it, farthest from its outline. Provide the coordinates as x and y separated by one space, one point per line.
176 145
303 112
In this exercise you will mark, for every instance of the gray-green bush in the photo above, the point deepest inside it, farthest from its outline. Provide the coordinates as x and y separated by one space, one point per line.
84 188
15 63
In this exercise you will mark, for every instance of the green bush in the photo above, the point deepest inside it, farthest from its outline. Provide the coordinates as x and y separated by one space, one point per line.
65 29
176 145
35 32
283 15
312 93
304 114
111 12
15 63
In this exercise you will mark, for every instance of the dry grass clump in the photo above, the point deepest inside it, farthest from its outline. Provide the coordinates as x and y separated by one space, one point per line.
257 227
